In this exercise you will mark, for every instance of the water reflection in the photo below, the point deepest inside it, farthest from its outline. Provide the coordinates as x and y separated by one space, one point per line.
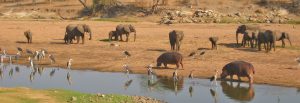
165 88
238 92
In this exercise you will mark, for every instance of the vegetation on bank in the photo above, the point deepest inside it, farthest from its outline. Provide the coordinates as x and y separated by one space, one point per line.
25 95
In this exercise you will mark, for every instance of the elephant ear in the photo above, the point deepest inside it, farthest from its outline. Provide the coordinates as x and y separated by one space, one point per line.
80 28
126 28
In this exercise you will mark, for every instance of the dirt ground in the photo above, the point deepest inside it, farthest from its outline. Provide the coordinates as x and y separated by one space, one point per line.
278 68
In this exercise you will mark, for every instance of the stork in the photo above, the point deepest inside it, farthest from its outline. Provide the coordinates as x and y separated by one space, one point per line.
69 63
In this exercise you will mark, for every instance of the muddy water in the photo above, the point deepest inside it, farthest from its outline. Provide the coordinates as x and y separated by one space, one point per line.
183 91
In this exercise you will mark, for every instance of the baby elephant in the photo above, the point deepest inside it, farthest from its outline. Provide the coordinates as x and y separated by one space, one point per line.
28 35
239 68
170 58
112 34
247 39
213 41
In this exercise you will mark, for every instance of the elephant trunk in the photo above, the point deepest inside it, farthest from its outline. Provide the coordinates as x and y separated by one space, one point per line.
290 41
134 35
237 38
90 35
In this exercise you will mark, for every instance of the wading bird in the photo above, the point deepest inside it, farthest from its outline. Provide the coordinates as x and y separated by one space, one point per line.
214 78
175 78
20 49
127 54
126 68
69 63
191 75
52 59
31 63
29 52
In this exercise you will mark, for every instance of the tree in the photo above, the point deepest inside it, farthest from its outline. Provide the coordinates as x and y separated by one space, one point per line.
155 5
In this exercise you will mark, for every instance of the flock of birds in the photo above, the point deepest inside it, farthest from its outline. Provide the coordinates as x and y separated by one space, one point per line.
33 57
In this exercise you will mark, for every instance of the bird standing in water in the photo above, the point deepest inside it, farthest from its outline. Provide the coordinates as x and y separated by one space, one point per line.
52 59
214 78
175 78
69 63
191 75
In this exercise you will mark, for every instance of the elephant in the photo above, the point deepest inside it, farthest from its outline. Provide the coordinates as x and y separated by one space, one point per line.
281 36
247 39
239 68
125 29
170 58
28 35
242 28
112 34
77 30
239 93
175 37
268 38
213 41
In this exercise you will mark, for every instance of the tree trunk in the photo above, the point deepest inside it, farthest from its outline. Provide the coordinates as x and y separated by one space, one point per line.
83 2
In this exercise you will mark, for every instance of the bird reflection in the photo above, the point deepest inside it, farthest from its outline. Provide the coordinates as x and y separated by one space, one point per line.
52 72
31 76
213 93
127 84
69 78
40 70
11 72
151 84
17 69
191 91
1 73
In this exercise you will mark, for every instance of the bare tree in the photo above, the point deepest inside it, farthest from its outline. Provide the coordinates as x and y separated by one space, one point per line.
155 5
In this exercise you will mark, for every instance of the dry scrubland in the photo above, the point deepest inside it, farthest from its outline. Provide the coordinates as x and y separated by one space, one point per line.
278 68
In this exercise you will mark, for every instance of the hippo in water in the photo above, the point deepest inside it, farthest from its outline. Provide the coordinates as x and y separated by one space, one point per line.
170 58
239 68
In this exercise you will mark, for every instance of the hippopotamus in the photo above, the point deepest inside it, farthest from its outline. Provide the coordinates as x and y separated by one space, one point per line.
239 68
170 58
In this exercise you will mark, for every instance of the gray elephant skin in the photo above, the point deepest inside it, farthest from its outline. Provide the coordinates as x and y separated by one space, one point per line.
242 29
28 35
213 41
77 30
175 37
170 58
111 35
125 29
239 68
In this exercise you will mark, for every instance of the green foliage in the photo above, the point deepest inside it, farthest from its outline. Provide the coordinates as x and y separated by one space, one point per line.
67 95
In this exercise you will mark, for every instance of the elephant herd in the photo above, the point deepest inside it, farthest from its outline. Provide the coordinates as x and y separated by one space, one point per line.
257 36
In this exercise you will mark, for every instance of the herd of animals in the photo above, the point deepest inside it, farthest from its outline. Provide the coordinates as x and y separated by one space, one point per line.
253 36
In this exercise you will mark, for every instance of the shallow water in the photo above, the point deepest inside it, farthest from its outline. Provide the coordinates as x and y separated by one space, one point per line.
162 88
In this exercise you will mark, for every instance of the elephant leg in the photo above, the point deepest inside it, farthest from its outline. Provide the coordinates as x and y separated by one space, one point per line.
82 37
121 37
127 35
181 65
250 78
259 46
166 65
283 43
177 65
78 38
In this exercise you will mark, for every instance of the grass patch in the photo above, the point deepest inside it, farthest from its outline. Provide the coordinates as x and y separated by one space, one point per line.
104 40
116 20
67 95
293 22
